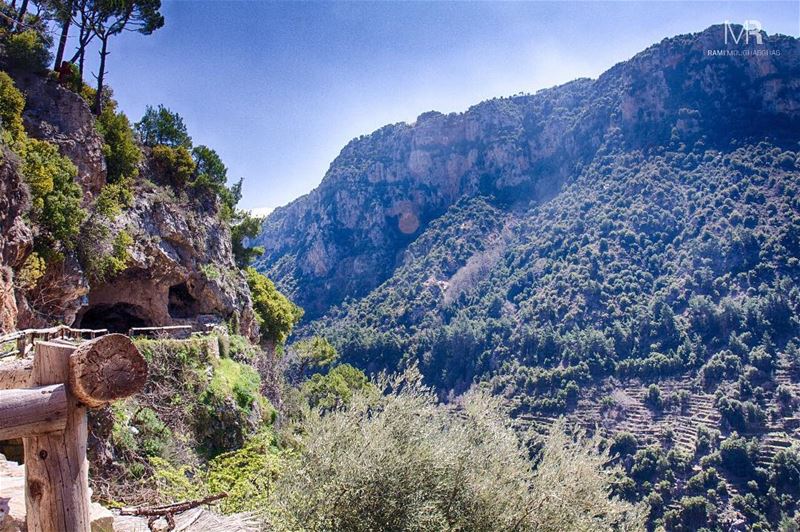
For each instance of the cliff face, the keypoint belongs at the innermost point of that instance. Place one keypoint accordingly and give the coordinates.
(180, 266)
(383, 190)
(181, 269)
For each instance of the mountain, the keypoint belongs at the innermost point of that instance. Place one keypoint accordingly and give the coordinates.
(381, 193)
(624, 251)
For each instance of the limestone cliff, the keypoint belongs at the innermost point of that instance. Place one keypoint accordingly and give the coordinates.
(180, 266)
(380, 194)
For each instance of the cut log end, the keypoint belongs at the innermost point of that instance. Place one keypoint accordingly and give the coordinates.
(105, 369)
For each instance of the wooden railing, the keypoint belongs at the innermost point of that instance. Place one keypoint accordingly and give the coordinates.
(25, 339)
(49, 413)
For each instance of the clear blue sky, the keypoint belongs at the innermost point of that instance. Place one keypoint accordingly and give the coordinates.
(279, 88)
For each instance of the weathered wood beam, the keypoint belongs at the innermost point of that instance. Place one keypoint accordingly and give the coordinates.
(15, 373)
(104, 369)
(32, 411)
(56, 468)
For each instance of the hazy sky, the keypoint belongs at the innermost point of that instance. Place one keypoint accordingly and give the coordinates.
(279, 88)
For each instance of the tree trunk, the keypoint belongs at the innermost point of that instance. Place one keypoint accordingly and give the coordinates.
(21, 16)
(62, 41)
(98, 98)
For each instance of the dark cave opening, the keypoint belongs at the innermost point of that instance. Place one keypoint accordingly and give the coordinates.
(119, 318)
(181, 303)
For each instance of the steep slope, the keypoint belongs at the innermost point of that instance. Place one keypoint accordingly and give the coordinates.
(346, 237)
(604, 235)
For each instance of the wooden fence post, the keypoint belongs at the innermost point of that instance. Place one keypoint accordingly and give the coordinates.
(56, 468)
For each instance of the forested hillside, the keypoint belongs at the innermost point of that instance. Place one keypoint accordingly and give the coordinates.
(576, 245)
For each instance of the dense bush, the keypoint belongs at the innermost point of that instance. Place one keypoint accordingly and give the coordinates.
(336, 388)
(28, 50)
(404, 462)
(12, 102)
(175, 165)
(276, 315)
(119, 145)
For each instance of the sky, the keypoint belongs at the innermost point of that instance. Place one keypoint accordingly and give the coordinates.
(278, 88)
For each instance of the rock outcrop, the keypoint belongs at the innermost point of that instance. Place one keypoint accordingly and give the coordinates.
(180, 271)
(347, 236)
(62, 117)
(180, 268)
(16, 238)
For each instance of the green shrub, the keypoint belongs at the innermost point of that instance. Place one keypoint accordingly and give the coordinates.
(276, 315)
(113, 198)
(240, 349)
(174, 164)
(246, 475)
(653, 397)
(28, 50)
(236, 380)
(225, 406)
(738, 454)
(210, 271)
(624, 444)
(102, 256)
(336, 388)
(245, 226)
(31, 271)
(12, 102)
(119, 145)
(56, 197)
(404, 462)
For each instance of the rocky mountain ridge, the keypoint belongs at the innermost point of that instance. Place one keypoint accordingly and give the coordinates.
(347, 236)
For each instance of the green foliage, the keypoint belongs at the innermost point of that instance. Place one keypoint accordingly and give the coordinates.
(245, 226)
(210, 271)
(212, 176)
(240, 349)
(653, 397)
(404, 462)
(314, 352)
(28, 50)
(139, 433)
(162, 127)
(194, 407)
(175, 164)
(56, 197)
(12, 102)
(623, 444)
(102, 255)
(31, 271)
(785, 471)
(336, 388)
(232, 379)
(114, 198)
(246, 475)
(225, 405)
(739, 454)
(276, 315)
(119, 145)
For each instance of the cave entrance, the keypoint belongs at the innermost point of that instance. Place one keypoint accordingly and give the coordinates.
(182, 304)
(118, 318)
